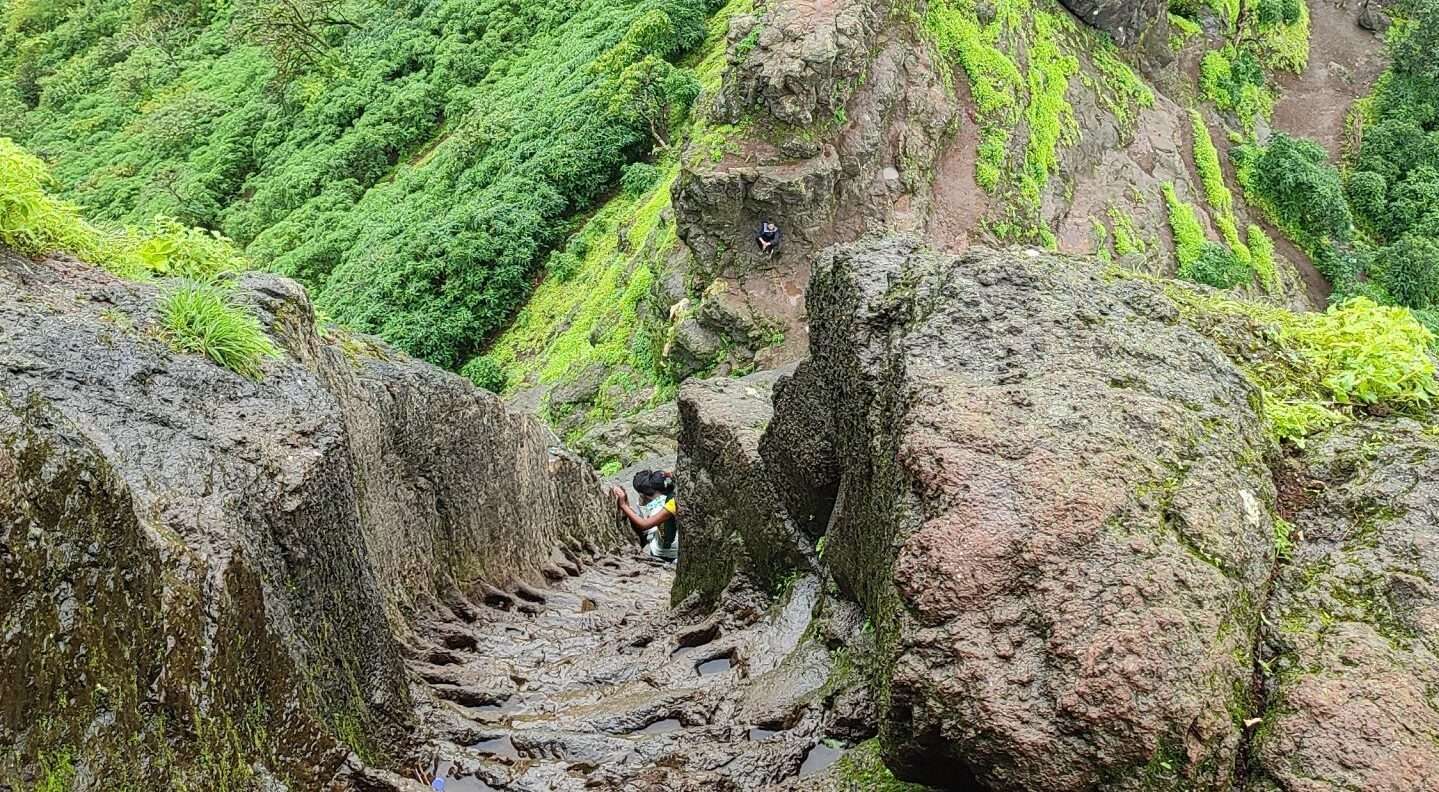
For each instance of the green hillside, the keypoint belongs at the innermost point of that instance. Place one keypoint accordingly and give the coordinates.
(411, 162)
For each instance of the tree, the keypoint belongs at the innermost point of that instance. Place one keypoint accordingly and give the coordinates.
(296, 32)
(655, 94)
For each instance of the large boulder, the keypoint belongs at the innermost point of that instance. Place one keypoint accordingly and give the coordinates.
(1124, 20)
(1353, 627)
(798, 450)
(206, 578)
(732, 520)
(1053, 507)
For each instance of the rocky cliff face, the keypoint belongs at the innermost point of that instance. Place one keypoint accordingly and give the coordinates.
(1085, 564)
(835, 114)
(209, 578)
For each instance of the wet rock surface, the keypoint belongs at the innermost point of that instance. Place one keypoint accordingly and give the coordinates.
(1124, 20)
(1351, 633)
(601, 686)
(197, 564)
(1052, 501)
(735, 521)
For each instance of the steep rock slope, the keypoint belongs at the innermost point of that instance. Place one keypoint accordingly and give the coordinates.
(210, 578)
(1085, 562)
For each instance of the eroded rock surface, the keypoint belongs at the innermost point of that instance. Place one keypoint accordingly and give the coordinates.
(735, 521)
(200, 564)
(1352, 631)
(1052, 502)
(599, 685)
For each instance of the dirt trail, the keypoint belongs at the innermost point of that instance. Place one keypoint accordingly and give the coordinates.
(1344, 61)
(595, 684)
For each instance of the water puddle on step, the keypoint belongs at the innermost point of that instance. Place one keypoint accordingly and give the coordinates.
(760, 735)
(818, 758)
(661, 727)
(467, 783)
(500, 746)
(718, 665)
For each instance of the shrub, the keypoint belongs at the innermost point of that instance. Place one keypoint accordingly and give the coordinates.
(1206, 162)
(1234, 81)
(1411, 201)
(1413, 50)
(1217, 266)
(1430, 319)
(169, 248)
(563, 264)
(1366, 193)
(1294, 181)
(1127, 240)
(1393, 147)
(1368, 354)
(1261, 249)
(638, 177)
(31, 221)
(485, 373)
(1189, 238)
(1278, 12)
(201, 319)
(1409, 271)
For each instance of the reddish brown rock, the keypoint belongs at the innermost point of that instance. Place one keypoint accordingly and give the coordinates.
(1053, 507)
(1353, 627)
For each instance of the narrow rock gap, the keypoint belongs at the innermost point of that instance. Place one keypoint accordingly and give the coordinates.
(1290, 499)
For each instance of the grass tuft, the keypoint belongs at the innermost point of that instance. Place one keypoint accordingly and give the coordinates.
(202, 320)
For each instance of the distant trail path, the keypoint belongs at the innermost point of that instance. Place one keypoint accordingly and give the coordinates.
(1344, 61)
(591, 684)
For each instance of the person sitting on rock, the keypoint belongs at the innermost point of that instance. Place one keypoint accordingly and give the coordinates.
(768, 237)
(655, 520)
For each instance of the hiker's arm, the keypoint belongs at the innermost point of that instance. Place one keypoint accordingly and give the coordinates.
(642, 523)
(645, 523)
(622, 500)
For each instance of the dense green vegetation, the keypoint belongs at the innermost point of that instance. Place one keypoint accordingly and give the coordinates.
(1372, 229)
(1324, 368)
(412, 162)
(196, 312)
(594, 310)
(1257, 35)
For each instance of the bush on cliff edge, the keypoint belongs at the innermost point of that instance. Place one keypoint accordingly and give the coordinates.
(197, 314)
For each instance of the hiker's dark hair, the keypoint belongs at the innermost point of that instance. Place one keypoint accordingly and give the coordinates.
(654, 481)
